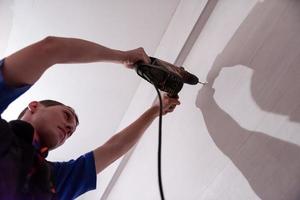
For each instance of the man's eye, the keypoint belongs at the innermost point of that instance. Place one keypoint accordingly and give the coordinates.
(67, 115)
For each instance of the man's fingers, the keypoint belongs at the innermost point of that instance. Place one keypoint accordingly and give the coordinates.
(171, 103)
(172, 107)
(146, 58)
(141, 55)
(134, 56)
(174, 101)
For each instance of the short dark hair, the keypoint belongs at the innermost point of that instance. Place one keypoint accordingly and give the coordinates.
(48, 103)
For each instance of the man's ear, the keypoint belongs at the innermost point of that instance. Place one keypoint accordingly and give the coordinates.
(33, 106)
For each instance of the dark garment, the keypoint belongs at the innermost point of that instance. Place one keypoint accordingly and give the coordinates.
(25, 174)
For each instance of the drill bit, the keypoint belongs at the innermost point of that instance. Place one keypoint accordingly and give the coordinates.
(202, 83)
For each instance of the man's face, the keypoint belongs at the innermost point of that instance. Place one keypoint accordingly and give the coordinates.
(54, 124)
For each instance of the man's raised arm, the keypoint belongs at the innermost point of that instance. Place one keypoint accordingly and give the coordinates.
(28, 64)
(122, 142)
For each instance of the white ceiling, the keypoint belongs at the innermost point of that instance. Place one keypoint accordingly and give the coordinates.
(100, 93)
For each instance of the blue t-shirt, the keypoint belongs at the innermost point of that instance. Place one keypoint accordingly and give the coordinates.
(72, 178)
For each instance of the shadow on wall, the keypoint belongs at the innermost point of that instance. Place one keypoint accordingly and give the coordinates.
(268, 42)
(6, 20)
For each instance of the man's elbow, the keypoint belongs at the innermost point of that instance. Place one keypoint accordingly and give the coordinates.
(50, 46)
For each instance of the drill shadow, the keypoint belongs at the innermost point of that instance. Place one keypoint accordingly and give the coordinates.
(270, 165)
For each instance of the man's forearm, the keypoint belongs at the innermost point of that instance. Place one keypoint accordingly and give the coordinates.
(132, 133)
(27, 65)
(121, 143)
(73, 50)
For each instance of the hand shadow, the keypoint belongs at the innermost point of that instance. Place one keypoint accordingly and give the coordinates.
(270, 165)
(268, 43)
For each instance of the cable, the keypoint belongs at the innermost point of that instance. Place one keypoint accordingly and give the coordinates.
(159, 146)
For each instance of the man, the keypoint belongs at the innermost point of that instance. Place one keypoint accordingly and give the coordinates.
(45, 125)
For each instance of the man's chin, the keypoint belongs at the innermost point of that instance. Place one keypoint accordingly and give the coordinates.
(50, 144)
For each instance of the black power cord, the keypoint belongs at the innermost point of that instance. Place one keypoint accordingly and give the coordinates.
(159, 146)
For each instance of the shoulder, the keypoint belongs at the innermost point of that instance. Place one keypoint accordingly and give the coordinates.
(74, 177)
(9, 94)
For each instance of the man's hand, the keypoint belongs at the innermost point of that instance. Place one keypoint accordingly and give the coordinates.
(168, 103)
(133, 56)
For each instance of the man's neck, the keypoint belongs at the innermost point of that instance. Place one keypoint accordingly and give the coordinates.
(36, 140)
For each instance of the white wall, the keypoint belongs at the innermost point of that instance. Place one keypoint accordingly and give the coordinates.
(238, 137)
(252, 115)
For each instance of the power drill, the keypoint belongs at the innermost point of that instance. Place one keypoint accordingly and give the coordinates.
(166, 76)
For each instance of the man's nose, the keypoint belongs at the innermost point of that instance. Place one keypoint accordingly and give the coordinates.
(69, 128)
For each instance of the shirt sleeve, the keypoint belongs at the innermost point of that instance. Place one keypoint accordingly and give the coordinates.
(7, 93)
(75, 177)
